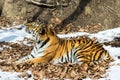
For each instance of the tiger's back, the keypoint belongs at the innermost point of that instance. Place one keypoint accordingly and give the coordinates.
(50, 48)
(83, 50)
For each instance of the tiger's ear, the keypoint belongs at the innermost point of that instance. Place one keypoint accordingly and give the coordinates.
(42, 31)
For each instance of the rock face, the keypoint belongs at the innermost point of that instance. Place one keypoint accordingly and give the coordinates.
(14, 9)
(78, 12)
(99, 11)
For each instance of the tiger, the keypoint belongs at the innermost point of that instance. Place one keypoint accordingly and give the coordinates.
(49, 47)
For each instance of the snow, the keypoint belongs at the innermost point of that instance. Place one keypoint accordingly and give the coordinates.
(102, 36)
(15, 35)
(9, 76)
(114, 72)
(12, 76)
(74, 34)
(114, 51)
(108, 35)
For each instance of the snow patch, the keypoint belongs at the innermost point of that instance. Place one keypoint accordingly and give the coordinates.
(13, 75)
(9, 76)
(14, 34)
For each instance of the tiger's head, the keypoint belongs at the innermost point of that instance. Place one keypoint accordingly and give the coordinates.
(40, 31)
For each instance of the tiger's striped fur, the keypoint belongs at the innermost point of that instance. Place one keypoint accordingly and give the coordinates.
(50, 48)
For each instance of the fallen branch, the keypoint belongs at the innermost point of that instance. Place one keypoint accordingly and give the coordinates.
(47, 5)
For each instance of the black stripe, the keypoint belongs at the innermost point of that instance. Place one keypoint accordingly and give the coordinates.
(62, 59)
(32, 56)
(68, 55)
(89, 45)
(80, 56)
(75, 52)
(65, 59)
(38, 42)
(74, 41)
(94, 55)
(80, 61)
(97, 47)
(100, 55)
(44, 42)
